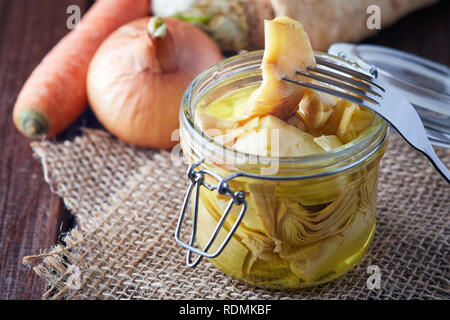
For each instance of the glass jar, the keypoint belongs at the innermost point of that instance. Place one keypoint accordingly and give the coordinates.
(280, 223)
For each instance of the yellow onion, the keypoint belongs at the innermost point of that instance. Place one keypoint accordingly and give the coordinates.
(138, 76)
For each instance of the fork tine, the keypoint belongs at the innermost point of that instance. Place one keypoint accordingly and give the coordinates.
(348, 71)
(337, 93)
(339, 84)
(362, 84)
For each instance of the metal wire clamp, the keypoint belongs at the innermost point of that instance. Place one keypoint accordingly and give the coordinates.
(197, 178)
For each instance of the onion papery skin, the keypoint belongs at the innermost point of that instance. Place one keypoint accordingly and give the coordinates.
(132, 94)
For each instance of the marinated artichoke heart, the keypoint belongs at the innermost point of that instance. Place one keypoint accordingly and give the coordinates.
(279, 118)
(300, 232)
(287, 50)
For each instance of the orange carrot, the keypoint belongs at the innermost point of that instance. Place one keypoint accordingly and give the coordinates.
(55, 94)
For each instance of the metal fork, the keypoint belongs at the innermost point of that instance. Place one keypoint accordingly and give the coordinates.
(368, 91)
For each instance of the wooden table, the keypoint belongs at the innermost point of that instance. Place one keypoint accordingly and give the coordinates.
(31, 217)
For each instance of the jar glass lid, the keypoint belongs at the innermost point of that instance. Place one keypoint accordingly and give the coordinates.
(426, 84)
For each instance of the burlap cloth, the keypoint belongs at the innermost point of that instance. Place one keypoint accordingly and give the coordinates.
(127, 201)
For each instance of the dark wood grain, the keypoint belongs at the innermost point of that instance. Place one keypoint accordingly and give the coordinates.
(425, 33)
(30, 215)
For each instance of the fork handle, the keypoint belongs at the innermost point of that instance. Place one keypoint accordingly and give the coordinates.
(437, 163)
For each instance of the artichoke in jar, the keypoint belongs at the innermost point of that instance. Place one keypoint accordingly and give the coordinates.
(295, 232)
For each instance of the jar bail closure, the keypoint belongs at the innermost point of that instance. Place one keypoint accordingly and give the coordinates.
(197, 178)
